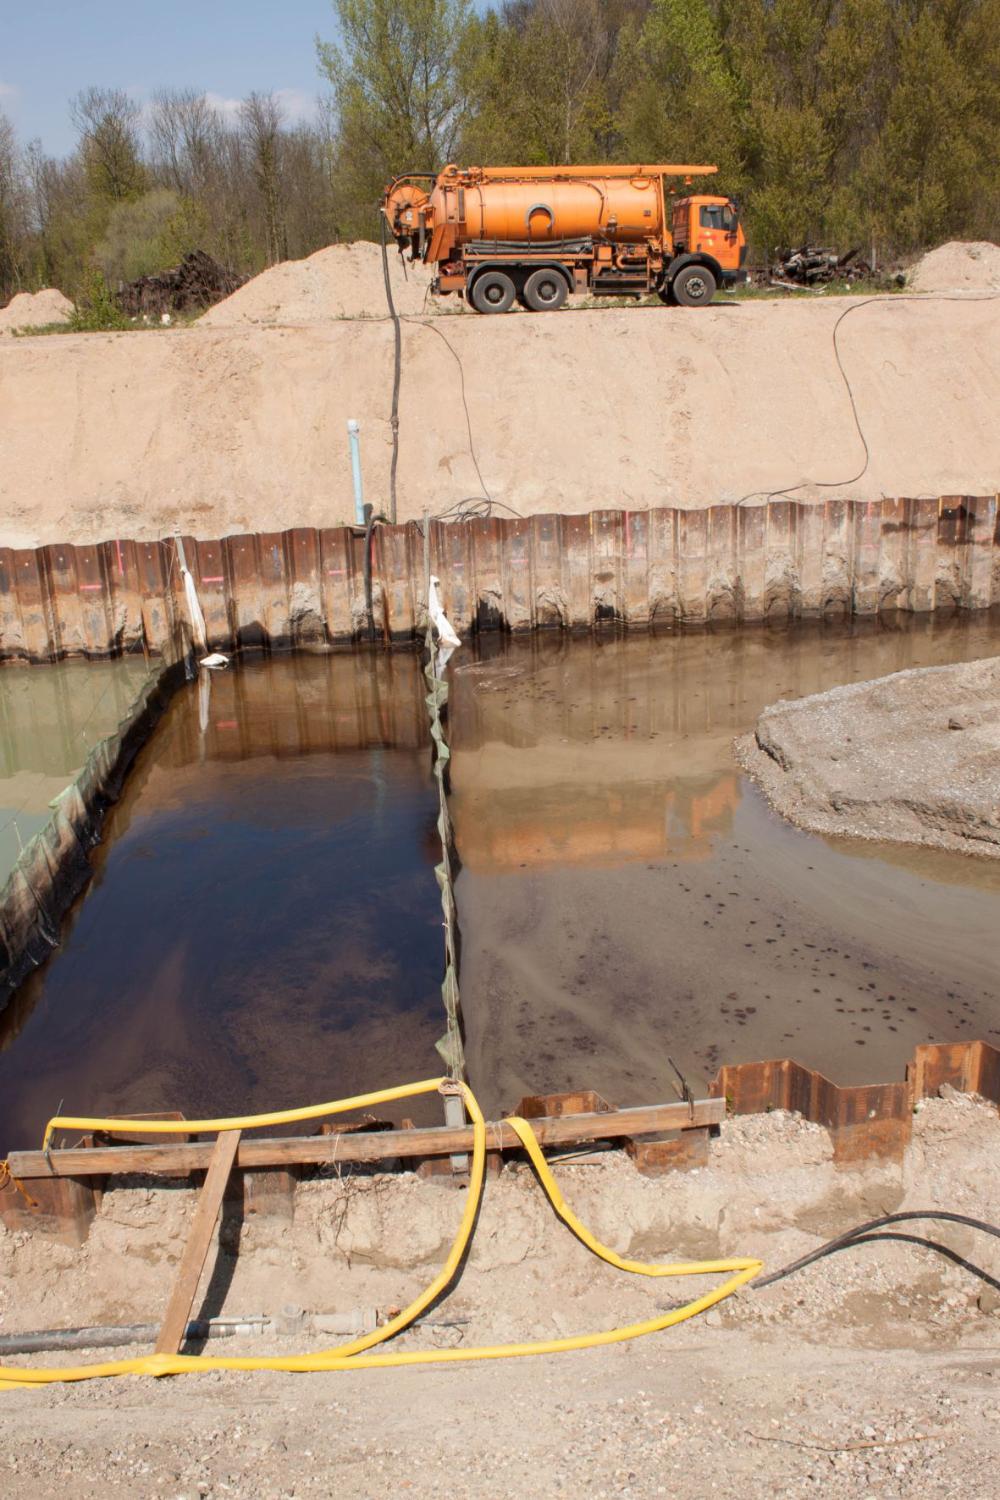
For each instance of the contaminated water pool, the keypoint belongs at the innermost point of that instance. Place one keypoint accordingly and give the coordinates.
(629, 902)
(264, 927)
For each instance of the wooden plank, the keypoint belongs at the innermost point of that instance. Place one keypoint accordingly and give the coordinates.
(314, 1150)
(192, 1264)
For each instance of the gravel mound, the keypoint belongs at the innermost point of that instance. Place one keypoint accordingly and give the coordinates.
(35, 309)
(913, 758)
(959, 265)
(342, 281)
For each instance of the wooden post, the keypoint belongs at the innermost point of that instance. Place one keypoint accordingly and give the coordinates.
(192, 1264)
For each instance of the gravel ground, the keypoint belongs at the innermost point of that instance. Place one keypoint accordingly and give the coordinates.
(871, 1373)
(694, 1413)
(913, 758)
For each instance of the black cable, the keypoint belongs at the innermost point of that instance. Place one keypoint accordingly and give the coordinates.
(462, 510)
(397, 370)
(465, 405)
(369, 598)
(861, 1234)
(918, 1239)
(836, 484)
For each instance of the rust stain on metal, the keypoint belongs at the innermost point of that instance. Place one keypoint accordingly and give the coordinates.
(871, 1120)
(637, 568)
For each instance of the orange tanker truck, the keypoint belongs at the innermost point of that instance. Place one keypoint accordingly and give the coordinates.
(535, 234)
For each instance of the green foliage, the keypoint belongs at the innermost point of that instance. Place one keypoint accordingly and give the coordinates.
(144, 235)
(851, 122)
(540, 88)
(96, 310)
(683, 101)
(398, 95)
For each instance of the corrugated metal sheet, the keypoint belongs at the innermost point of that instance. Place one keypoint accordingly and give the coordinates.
(661, 567)
(873, 1120)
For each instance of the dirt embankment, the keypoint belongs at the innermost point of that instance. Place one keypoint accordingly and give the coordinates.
(913, 758)
(867, 1373)
(213, 430)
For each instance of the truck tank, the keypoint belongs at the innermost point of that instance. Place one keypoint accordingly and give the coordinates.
(536, 205)
(627, 210)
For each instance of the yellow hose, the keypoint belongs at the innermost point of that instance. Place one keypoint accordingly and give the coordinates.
(351, 1356)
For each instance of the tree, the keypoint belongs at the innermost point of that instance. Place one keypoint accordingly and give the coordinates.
(13, 213)
(398, 94)
(108, 124)
(143, 235)
(683, 103)
(185, 136)
(542, 75)
(260, 127)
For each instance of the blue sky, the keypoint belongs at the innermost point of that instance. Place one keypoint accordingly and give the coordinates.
(50, 49)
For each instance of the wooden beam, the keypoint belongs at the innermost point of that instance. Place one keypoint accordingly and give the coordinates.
(192, 1264)
(316, 1150)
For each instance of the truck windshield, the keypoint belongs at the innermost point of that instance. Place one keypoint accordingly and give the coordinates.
(717, 216)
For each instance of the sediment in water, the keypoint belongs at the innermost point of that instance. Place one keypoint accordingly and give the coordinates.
(913, 758)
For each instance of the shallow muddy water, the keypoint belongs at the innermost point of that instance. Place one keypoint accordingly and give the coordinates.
(628, 897)
(263, 927)
(51, 717)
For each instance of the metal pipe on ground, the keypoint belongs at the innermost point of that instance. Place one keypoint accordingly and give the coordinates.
(108, 1336)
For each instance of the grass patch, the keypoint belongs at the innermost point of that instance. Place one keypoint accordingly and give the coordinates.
(128, 325)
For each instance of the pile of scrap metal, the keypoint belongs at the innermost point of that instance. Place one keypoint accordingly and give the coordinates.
(197, 283)
(812, 265)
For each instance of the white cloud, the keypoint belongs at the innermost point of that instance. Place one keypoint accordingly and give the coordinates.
(9, 91)
(296, 105)
(229, 108)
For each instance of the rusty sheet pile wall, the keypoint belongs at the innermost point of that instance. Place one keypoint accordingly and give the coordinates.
(869, 1120)
(305, 587)
(56, 1194)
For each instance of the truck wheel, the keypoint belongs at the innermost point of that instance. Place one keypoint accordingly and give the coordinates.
(693, 286)
(492, 292)
(545, 290)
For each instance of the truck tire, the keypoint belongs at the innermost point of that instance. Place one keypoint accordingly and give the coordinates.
(693, 286)
(545, 290)
(492, 292)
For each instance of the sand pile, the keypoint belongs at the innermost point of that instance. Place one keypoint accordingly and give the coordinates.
(960, 265)
(35, 310)
(912, 758)
(342, 281)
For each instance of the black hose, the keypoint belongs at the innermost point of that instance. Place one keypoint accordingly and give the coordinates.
(862, 1235)
(836, 484)
(926, 1244)
(369, 596)
(398, 338)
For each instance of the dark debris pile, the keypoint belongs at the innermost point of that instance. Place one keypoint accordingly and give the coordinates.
(198, 282)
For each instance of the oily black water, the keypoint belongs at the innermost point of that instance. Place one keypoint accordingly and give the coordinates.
(263, 925)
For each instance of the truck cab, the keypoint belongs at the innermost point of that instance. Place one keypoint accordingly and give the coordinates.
(706, 232)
